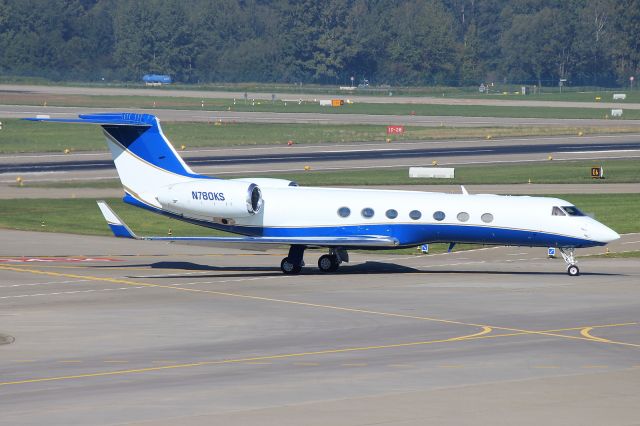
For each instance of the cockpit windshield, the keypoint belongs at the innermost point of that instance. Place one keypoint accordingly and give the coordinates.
(557, 211)
(572, 211)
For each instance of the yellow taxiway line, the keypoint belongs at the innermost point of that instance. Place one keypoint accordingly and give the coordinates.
(308, 304)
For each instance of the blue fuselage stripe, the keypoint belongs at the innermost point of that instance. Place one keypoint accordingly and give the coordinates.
(407, 234)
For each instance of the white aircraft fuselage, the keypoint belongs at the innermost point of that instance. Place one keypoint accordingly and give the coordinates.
(277, 211)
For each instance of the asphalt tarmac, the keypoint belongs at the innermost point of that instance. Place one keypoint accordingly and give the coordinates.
(106, 331)
(410, 153)
(270, 159)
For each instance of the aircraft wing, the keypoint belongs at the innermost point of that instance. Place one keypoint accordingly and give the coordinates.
(120, 229)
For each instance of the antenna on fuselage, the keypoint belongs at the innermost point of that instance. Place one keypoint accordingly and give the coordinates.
(464, 190)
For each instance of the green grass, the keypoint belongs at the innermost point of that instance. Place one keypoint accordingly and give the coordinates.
(569, 93)
(616, 171)
(617, 211)
(24, 136)
(81, 216)
(618, 255)
(212, 105)
(546, 95)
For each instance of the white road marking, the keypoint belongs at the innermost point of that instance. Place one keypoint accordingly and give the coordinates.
(61, 293)
(173, 275)
(450, 264)
(70, 292)
(603, 151)
(46, 283)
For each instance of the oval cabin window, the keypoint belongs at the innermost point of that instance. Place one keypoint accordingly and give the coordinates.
(463, 216)
(391, 213)
(487, 218)
(415, 214)
(344, 212)
(367, 212)
(439, 216)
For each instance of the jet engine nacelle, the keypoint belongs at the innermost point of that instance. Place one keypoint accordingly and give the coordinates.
(212, 198)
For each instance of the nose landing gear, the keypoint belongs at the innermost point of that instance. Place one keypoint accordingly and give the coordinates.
(569, 256)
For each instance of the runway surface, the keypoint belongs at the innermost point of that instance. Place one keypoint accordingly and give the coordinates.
(113, 331)
(341, 155)
(270, 159)
(20, 111)
(209, 94)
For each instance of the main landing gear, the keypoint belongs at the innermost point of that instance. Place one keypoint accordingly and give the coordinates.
(569, 256)
(293, 263)
(330, 262)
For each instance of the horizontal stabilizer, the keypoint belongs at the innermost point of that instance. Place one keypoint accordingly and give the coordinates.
(111, 119)
(118, 227)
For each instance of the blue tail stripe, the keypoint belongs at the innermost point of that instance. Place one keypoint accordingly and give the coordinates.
(147, 143)
(120, 231)
(138, 133)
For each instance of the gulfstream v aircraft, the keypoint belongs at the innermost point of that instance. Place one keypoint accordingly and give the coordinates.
(278, 212)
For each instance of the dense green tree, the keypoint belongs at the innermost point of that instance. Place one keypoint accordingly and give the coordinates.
(593, 42)
(538, 47)
(627, 40)
(458, 42)
(420, 46)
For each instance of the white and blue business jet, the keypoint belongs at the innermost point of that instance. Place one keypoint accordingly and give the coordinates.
(279, 212)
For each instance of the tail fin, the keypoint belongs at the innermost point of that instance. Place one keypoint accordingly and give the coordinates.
(143, 156)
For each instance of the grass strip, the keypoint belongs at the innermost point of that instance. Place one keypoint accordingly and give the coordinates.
(82, 216)
(293, 106)
(617, 255)
(19, 136)
(551, 172)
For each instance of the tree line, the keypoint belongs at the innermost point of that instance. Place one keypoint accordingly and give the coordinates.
(400, 42)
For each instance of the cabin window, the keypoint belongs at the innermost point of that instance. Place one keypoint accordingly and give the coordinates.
(487, 218)
(439, 216)
(572, 211)
(463, 216)
(557, 211)
(391, 213)
(367, 212)
(415, 214)
(344, 212)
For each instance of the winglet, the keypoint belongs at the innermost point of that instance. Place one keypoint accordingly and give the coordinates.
(118, 227)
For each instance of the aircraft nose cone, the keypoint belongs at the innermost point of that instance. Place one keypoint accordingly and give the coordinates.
(607, 235)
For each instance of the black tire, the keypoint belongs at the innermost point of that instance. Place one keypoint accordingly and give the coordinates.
(288, 268)
(328, 263)
(573, 271)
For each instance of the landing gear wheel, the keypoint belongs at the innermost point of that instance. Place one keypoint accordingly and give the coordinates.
(569, 256)
(328, 263)
(289, 268)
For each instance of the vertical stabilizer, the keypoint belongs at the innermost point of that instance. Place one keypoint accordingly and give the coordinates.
(143, 156)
